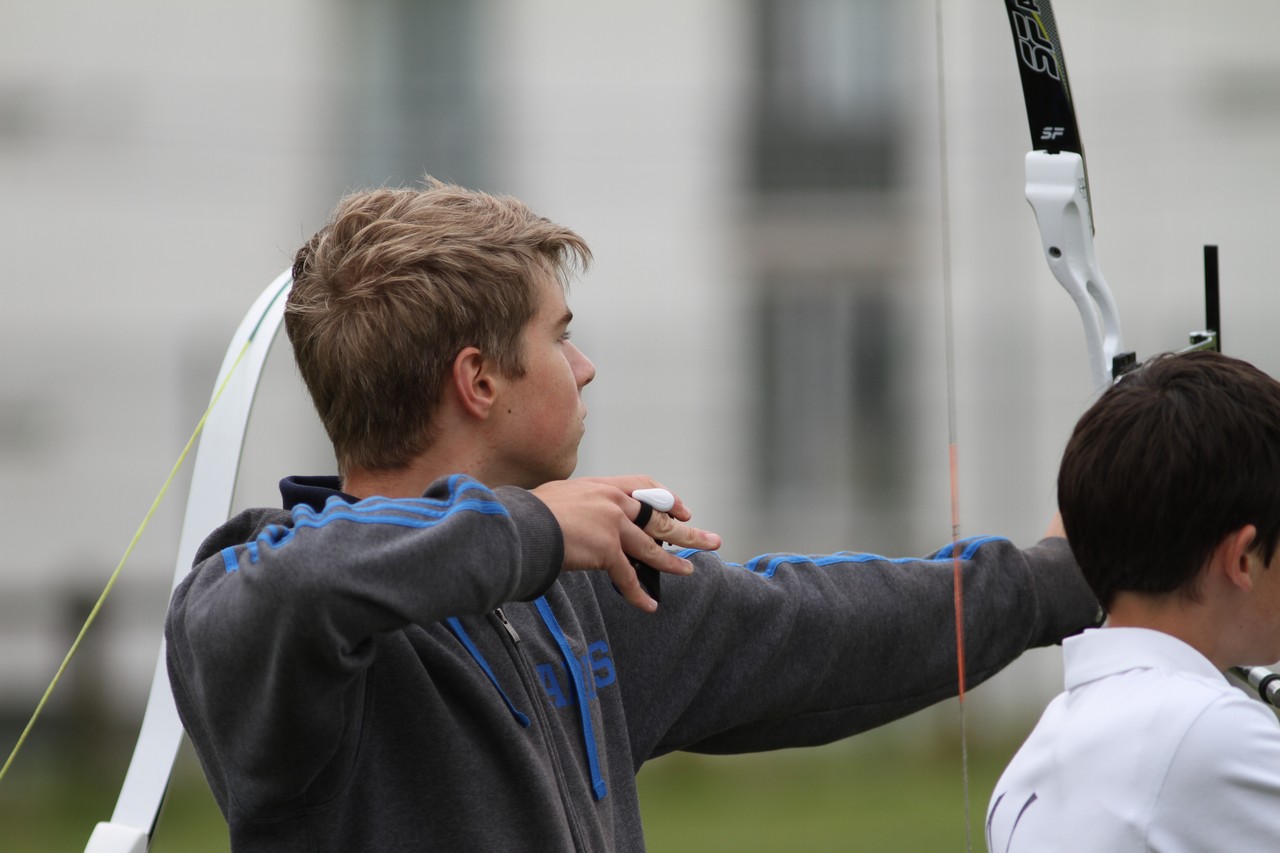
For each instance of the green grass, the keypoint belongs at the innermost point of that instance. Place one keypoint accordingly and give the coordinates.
(896, 790)
(876, 795)
(50, 801)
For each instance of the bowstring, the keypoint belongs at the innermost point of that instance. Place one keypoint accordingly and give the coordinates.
(953, 452)
(115, 575)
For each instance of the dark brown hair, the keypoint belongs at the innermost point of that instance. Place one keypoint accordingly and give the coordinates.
(1165, 464)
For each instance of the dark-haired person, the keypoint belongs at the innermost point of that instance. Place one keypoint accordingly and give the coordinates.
(1170, 493)
(410, 656)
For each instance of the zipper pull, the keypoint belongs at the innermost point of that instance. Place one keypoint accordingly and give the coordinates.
(502, 617)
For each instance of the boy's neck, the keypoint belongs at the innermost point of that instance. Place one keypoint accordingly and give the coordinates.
(386, 484)
(1196, 623)
(408, 482)
(450, 452)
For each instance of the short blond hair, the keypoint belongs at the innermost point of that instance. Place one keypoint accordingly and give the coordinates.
(393, 287)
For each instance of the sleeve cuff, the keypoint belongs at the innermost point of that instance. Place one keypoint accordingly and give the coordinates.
(1067, 605)
(541, 542)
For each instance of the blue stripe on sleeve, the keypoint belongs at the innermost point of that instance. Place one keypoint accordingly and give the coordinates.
(417, 513)
(970, 547)
(465, 495)
(766, 565)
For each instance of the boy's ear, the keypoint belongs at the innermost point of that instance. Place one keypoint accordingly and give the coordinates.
(473, 382)
(1235, 557)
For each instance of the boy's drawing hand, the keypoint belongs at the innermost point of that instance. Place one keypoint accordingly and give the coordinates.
(596, 521)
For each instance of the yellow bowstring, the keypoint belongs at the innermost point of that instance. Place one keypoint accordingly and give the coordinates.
(111, 582)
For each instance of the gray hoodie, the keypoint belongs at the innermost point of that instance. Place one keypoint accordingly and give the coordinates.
(391, 675)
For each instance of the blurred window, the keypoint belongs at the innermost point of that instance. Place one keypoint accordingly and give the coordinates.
(416, 97)
(825, 131)
(828, 408)
(824, 114)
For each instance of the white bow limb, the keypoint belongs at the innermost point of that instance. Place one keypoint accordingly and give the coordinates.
(213, 483)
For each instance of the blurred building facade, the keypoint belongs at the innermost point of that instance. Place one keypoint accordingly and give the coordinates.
(759, 180)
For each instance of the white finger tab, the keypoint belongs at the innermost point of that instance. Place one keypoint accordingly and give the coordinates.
(659, 499)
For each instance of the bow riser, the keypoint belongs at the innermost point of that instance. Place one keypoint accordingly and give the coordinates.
(1059, 194)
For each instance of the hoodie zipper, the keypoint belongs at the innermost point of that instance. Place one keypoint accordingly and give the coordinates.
(502, 617)
(455, 625)
(533, 689)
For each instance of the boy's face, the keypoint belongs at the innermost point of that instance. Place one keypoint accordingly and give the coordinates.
(540, 416)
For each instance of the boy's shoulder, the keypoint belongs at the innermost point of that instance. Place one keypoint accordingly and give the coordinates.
(240, 528)
(1109, 657)
(1147, 733)
(1142, 682)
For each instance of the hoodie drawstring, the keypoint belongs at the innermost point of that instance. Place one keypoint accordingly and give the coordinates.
(580, 688)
